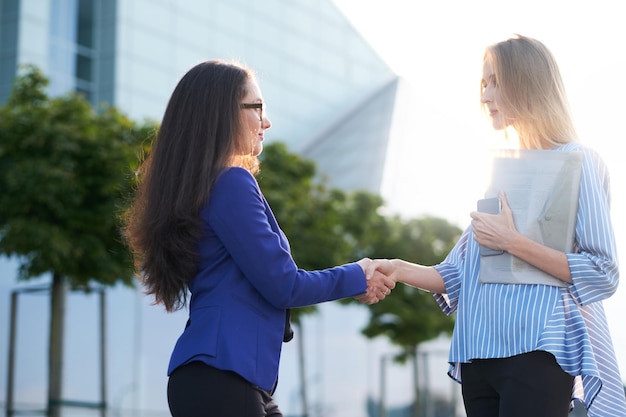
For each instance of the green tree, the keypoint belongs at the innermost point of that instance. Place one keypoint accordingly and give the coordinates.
(411, 316)
(65, 173)
(308, 215)
(327, 227)
(305, 207)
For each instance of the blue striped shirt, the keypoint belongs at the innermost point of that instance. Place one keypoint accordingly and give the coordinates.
(502, 320)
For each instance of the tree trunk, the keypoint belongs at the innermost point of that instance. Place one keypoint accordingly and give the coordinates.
(103, 355)
(382, 407)
(58, 296)
(301, 365)
(416, 383)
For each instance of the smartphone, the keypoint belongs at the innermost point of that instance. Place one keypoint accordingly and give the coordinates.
(491, 206)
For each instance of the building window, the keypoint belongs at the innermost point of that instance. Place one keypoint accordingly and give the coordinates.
(72, 47)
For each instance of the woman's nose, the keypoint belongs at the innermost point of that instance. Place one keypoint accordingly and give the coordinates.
(266, 123)
(488, 94)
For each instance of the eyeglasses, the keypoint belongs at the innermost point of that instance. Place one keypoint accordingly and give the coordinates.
(256, 106)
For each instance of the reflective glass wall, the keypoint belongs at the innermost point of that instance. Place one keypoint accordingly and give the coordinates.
(312, 65)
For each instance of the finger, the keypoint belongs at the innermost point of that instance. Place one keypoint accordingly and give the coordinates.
(365, 298)
(382, 281)
(370, 269)
(503, 200)
(383, 266)
(389, 283)
(381, 288)
(373, 292)
(374, 267)
(383, 292)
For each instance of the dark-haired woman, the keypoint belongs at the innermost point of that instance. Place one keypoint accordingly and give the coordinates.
(201, 225)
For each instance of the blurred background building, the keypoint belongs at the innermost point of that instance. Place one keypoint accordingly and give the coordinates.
(331, 98)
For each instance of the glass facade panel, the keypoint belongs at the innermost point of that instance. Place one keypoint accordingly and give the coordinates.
(31, 45)
(145, 45)
(71, 42)
(85, 23)
(84, 68)
(144, 89)
(63, 33)
(199, 9)
(153, 15)
(192, 33)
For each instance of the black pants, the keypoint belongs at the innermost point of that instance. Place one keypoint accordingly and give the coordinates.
(528, 385)
(199, 390)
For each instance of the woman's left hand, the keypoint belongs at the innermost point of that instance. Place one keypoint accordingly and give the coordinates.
(495, 231)
(379, 285)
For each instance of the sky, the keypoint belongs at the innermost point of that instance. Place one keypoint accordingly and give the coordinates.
(437, 46)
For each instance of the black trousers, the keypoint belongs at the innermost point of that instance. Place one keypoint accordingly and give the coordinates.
(199, 390)
(528, 385)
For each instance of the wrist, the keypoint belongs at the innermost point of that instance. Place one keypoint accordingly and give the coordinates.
(513, 243)
(398, 268)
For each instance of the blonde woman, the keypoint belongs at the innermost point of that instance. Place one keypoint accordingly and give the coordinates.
(523, 350)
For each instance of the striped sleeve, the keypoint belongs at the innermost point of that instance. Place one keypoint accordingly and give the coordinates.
(594, 267)
(451, 271)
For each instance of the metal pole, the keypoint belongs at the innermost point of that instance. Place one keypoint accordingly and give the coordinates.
(428, 411)
(137, 353)
(453, 401)
(382, 411)
(11, 365)
(103, 368)
(58, 300)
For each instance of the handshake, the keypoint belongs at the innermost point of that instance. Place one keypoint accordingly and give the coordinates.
(380, 280)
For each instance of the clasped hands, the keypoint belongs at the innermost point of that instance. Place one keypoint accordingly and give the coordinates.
(379, 281)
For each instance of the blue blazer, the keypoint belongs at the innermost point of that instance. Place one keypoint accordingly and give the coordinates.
(245, 283)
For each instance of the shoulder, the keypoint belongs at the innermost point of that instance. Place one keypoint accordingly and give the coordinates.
(233, 187)
(591, 158)
(595, 176)
(587, 151)
(234, 178)
(236, 175)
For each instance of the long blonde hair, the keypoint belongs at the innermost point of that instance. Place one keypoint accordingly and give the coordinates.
(532, 92)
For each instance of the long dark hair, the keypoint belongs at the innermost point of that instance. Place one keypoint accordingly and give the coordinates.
(199, 135)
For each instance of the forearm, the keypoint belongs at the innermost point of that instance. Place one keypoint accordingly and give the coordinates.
(550, 261)
(424, 277)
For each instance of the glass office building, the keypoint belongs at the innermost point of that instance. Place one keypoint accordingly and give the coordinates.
(331, 98)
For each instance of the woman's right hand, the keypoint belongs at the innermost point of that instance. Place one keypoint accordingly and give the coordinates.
(379, 285)
(397, 270)
(384, 266)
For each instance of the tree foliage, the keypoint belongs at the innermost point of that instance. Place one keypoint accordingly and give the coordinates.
(305, 210)
(327, 227)
(410, 316)
(65, 172)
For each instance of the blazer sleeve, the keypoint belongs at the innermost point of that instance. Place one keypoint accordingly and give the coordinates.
(239, 215)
